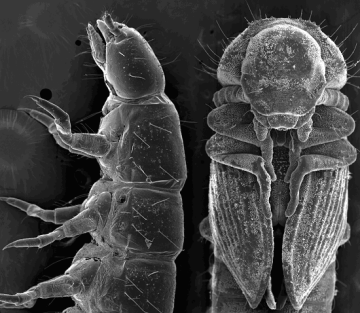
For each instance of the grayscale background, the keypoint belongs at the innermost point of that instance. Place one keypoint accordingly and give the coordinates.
(44, 51)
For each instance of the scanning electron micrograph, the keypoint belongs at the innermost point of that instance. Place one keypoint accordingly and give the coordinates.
(134, 212)
(275, 197)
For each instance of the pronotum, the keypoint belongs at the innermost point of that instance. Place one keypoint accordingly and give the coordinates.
(280, 168)
(134, 212)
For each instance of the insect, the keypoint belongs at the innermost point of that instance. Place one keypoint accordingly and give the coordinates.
(280, 168)
(134, 212)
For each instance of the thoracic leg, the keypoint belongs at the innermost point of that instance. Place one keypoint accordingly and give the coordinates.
(238, 154)
(61, 286)
(49, 123)
(65, 285)
(233, 120)
(325, 149)
(57, 216)
(255, 165)
(84, 222)
(6, 305)
(306, 165)
(95, 145)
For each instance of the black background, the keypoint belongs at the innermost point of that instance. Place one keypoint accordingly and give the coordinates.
(44, 51)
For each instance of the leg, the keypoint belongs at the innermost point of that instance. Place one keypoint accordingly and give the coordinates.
(84, 222)
(232, 120)
(61, 286)
(306, 165)
(57, 216)
(324, 150)
(241, 155)
(94, 145)
(6, 305)
(49, 123)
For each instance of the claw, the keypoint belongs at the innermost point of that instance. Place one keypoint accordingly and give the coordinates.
(29, 209)
(62, 119)
(42, 118)
(95, 145)
(49, 123)
(40, 241)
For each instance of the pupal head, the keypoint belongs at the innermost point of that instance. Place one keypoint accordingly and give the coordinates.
(283, 67)
(131, 69)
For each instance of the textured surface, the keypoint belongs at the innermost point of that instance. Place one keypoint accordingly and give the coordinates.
(242, 234)
(312, 235)
(279, 177)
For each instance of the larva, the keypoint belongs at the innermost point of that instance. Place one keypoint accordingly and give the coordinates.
(134, 212)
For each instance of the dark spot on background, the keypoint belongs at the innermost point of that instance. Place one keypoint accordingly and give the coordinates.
(78, 42)
(46, 94)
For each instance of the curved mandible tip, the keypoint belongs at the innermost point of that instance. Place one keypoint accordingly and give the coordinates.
(113, 27)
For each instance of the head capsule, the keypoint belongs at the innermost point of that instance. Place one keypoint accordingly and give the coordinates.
(131, 69)
(283, 66)
(283, 74)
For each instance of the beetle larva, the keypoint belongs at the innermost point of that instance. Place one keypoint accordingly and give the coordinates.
(134, 212)
(279, 171)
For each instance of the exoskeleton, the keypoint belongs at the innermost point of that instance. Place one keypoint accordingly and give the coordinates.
(278, 194)
(134, 212)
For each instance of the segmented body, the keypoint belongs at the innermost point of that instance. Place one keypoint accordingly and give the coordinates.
(279, 171)
(134, 212)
